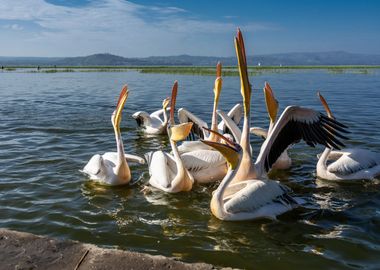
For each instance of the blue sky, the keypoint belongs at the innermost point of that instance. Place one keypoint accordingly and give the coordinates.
(168, 27)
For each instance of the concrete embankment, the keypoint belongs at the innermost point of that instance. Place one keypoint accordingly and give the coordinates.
(19, 250)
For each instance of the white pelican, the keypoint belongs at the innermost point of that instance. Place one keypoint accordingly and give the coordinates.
(185, 116)
(349, 163)
(153, 123)
(294, 124)
(284, 161)
(112, 168)
(204, 163)
(248, 199)
(167, 172)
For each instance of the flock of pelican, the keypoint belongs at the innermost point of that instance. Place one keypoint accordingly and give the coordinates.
(223, 152)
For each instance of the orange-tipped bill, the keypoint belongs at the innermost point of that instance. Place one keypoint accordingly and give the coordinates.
(240, 39)
(218, 70)
(325, 105)
(173, 101)
(243, 71)
(271, 102)
(120, 105)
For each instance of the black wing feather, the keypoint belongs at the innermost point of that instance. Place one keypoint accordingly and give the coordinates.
(325, 131)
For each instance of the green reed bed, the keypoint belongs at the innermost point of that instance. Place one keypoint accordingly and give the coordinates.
(193, 70)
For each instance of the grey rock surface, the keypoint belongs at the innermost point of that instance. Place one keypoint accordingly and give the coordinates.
(19, 250)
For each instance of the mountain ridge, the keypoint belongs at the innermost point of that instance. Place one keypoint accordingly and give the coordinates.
(277, 59)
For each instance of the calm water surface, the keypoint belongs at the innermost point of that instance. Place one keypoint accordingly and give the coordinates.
(51, 124)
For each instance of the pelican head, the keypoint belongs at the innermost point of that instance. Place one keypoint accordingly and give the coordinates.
(231, 151)
(116, 115)
(180, 132)
(165, 103)
(271, 102)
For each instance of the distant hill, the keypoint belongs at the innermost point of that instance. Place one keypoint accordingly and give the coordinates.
(285, 59)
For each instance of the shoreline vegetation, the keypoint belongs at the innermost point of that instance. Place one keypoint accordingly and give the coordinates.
(191, 70)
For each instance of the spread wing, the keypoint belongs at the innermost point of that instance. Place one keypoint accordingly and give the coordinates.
(295, 124)
(185, 116)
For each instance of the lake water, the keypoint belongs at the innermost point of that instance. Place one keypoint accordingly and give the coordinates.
(51, 124)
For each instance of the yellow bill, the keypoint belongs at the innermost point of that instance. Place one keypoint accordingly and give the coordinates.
(243, 71)
(120, 105)
(165, 103)
(271, 102)
(230, 150)
(180, 132)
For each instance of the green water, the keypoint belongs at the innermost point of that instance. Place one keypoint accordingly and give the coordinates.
(51, 124)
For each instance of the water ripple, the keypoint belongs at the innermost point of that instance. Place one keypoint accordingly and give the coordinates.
(50, 130)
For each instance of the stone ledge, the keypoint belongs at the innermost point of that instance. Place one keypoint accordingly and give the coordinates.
(19, 250)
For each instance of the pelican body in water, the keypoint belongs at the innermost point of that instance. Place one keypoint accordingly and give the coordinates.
(154, 123)
(112, 168)
(167, 172)
(248, 199)
(349, 163)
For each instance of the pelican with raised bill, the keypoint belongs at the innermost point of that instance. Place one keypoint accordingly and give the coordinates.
(154, 123)
(248, 199)
(295, 124)
(284, 161)
(167, 172)
(185, 116)
(112, 168)
(349, 163)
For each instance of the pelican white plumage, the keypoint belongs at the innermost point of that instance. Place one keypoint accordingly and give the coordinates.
(248, 199)
(245, 192)
(349, 163)
(112, 168)
(167, 172)
(154, 123)
(284, 161)
(204, 163)
(185, 116)
(294, 124)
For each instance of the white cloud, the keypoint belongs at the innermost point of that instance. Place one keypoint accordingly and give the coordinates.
(115, 26)
(14, 26)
